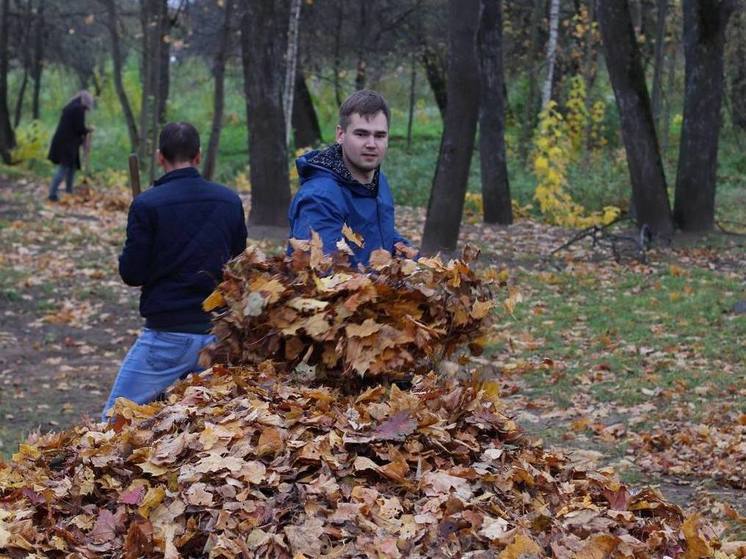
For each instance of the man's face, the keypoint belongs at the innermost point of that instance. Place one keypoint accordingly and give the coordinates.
(364, 143)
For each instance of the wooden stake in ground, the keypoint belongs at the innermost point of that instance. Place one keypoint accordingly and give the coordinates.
(134, 165)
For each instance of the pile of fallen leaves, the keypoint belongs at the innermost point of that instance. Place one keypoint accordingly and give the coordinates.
(316, 311)
(243, 462)
(715, 447)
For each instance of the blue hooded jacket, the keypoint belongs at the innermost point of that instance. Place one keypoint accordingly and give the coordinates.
(180, 234)
(329, 198)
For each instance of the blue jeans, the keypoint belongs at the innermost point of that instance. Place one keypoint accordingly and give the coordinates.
(156, 360)
(63, 172)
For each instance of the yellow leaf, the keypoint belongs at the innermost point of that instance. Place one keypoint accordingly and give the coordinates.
(353, 237)
(696, 545)
(213, 301)
(480, 309)
(152, 499)
(522, 547)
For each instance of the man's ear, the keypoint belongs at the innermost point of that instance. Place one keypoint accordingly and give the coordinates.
(340, 134)
(162, 161)
(197, 159)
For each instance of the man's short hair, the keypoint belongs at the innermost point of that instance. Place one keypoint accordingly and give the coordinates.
(178, 142)
(367, 103)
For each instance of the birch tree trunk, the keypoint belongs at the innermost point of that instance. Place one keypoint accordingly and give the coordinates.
(291, 60)
(546, 92)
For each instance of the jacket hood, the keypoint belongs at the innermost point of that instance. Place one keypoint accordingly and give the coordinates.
(329, 161)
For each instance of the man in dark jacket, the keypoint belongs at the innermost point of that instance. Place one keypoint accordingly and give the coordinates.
(180, 234)
(344, 185)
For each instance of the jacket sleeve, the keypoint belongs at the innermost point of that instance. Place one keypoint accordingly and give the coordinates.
(239, 237)
(320, 214)
(134, 262)
(79, 121)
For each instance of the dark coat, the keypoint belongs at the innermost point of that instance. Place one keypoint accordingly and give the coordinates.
(180, 234)
(69, 136)
(327, 201)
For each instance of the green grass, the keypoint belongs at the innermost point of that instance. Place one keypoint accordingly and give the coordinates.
(633, 334)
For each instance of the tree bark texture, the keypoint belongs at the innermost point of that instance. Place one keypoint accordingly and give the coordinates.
(263, 42)
(218, 72)
(435, 69)
(649, 195)
(26, 51)
(116, 57)
(306, 129)
(449, 185)
(546, 92)
(738, 71)
(495, 185)
(705, 22)
(361, 69)
(7, 136)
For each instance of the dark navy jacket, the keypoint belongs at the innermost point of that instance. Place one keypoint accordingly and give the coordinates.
(327, 201)
(180, 233)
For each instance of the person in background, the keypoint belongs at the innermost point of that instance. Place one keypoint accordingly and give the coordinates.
(180, 234)
(344, 185)
(70, 135)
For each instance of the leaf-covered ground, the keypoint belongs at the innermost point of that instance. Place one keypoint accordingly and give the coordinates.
(640, 366)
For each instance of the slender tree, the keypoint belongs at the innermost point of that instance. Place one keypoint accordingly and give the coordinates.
(705, 22)
(446, 204)
(546, 91)
(495, 185)
(291, 61)
(112, 23)
(649, 195)
(660, 39)
(7, 136)
(263, 44)
(738, 72)
(532, 100)
(218, 72)
(37, 61)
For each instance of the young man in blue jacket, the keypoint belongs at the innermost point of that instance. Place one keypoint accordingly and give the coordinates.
(344, 185)
(180, 234)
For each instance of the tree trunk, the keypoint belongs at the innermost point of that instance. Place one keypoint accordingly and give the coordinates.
(449, 185)
(362, 62)
(147, 101)
(435, 70)
(337, 51)
(532, 108)
(649, 195)
(660, 39)
(28, 20)
(291, 61)
(7, 136)
(412, 90)
(666, 124)
(164, 63)
(738, 75)
(38, 59)
(306, 129)
(705, 22)
(160, 91)
(546, 92)
(263, 42)
(495, 185)
(208, 167)
(116, 56)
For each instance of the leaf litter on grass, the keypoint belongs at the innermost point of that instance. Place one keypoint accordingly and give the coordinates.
(250, 461)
